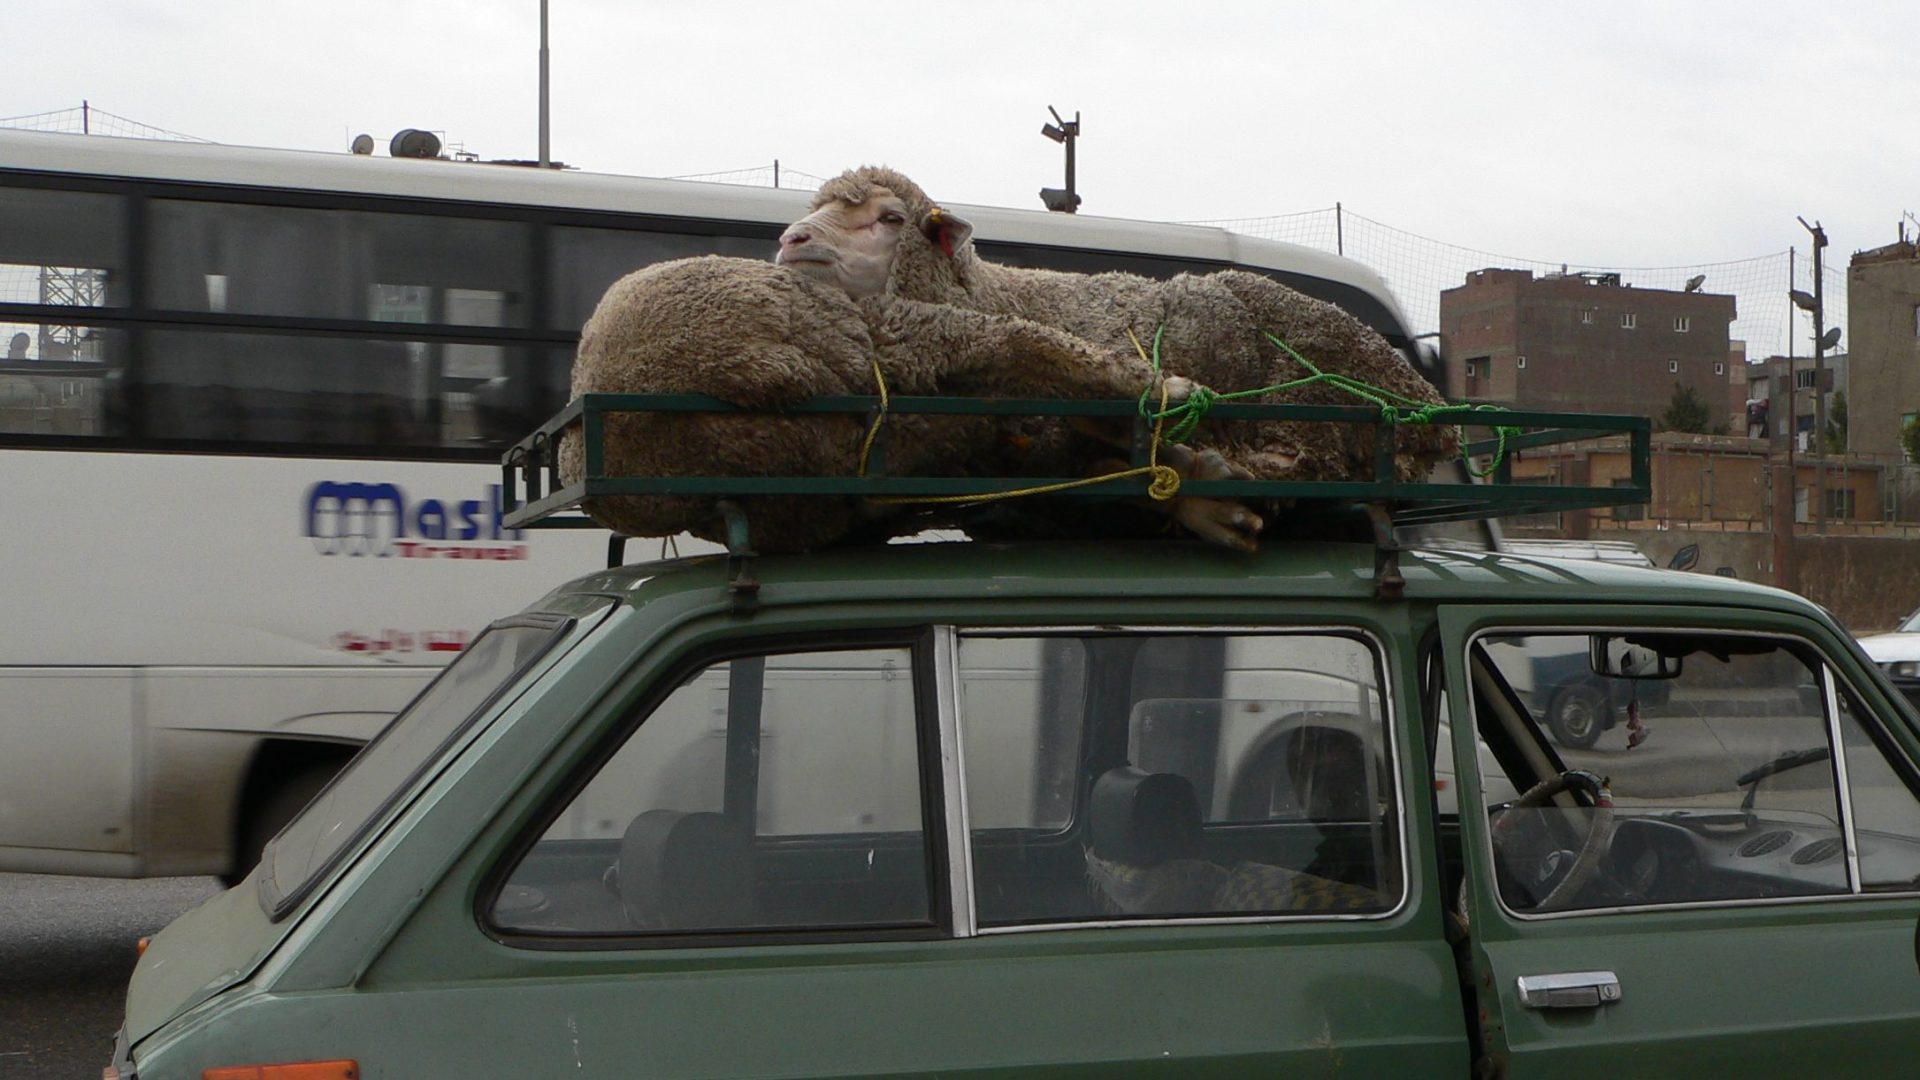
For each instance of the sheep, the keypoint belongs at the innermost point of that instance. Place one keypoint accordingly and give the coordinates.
(874, 232)
(761, 336)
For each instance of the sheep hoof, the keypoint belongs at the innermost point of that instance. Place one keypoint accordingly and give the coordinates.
(1221, 521)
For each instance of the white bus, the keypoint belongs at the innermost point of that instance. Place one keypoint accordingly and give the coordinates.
(251, 409)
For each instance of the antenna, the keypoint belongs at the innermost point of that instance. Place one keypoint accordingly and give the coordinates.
(1694, 282)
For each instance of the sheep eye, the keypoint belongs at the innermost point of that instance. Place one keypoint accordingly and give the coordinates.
(892, 218)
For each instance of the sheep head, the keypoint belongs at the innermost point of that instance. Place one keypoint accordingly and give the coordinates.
(873, 231)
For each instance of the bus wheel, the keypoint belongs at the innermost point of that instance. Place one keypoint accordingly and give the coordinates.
(268, 813)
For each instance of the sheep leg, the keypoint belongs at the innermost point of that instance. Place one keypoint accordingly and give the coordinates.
(1222, 521)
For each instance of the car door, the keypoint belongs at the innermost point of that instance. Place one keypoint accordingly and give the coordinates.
(1750, 906)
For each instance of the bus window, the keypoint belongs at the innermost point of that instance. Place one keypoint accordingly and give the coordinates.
(53, 379)
(62, 249)
(337, 264)
(301, 389)
(586, 261)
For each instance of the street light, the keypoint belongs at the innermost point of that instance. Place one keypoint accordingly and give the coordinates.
(1062, 200)
(1817, 305)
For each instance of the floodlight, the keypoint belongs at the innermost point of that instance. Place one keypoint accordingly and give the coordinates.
(1802, 300)
(1058, 200)
(362, 144)
(1053, 133)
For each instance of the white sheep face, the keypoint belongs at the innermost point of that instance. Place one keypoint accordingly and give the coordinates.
(848, 245)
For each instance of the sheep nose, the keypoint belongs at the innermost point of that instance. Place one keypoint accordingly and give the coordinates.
(795, 236)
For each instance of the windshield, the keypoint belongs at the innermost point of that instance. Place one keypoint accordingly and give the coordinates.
(1910, 625)
(390, 764)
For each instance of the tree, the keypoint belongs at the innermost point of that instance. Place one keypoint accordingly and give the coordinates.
(1837, 423)
(1910, 439)
(1686, 412)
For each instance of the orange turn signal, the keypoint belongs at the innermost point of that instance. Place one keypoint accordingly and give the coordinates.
(301, 1070)
(140, 947)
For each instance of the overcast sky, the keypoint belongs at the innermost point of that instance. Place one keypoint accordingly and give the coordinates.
(1606, 134)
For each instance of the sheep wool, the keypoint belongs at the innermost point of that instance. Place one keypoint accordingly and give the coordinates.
(1212, 328)
(759, 336)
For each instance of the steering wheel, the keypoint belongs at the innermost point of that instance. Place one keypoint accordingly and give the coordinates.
(1562, 873)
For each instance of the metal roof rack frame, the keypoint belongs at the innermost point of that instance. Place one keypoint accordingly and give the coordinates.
(535, 496)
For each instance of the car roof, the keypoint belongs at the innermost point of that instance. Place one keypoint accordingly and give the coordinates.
(1171, 570)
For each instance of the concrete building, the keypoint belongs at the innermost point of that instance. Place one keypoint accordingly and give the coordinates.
(1584, 343)
(1883, 338)
(1770, 400)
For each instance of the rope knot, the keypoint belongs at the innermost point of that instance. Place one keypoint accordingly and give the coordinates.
(1166, 483)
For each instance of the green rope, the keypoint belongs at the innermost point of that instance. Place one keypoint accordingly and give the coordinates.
(1394, 408)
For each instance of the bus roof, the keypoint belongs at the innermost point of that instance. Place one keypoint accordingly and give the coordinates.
(478, 182)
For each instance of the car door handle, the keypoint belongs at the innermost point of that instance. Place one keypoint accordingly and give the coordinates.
(1569, 990)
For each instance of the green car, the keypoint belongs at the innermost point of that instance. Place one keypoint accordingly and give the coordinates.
(1087, 809)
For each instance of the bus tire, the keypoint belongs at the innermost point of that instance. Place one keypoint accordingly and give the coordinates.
(270, 810)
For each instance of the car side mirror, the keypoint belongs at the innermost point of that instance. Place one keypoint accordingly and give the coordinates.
(1614, 656)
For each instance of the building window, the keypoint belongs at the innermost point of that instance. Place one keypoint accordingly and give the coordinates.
(1840, 503)
(1519, 362)
(1682, 324)
(1628, 320)
(1720, 369)
(1587, 316)
(1673, 367)
(1470, 370)
(1803, 380)
(1916, 320)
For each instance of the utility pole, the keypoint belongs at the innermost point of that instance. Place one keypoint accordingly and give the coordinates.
(546, 158)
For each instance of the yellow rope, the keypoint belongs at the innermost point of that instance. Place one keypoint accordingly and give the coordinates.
(873, 432)
(1166, 482)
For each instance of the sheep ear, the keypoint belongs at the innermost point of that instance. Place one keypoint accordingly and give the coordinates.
(946, 229)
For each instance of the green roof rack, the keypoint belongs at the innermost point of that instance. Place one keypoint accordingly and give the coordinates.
(535, 497)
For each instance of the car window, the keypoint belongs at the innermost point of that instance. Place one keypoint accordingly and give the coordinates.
(1886, 814)
(1218, 775)
(1720, 781)
(388, 765)
(768, 792)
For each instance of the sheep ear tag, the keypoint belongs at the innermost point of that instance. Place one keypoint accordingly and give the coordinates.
(947, 230)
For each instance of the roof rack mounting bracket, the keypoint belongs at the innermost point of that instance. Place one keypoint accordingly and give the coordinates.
(742, 585)
(616, 550)
(1387, 582)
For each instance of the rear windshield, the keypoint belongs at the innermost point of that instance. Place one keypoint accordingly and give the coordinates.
(337, 817)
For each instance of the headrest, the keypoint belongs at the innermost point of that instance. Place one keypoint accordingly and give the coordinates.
(681, 871)
(1142, 818)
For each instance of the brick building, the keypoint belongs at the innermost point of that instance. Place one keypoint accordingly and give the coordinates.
(1883, 341)
(1584, 343)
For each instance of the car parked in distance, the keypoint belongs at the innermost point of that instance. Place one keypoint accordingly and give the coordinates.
(1898, 653)
(1084, 809)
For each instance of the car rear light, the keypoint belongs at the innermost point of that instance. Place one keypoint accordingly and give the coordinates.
(300, 1070)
